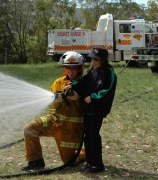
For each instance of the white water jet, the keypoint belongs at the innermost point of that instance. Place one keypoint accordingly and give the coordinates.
(20, 102)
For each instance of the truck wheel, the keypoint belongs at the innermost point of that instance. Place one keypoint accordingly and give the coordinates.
(155, 68)
(132, 63)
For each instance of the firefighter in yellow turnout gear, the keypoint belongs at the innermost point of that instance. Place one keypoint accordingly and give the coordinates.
(63, 122)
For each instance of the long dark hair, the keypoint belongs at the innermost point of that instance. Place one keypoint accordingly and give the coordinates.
(104, 65)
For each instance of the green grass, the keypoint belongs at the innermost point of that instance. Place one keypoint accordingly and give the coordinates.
(129, 133)
(41, 74)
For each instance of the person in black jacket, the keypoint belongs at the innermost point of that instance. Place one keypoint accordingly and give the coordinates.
(96, 90)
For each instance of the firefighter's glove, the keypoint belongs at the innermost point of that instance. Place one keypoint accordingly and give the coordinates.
(67, 88)
(68, 92)
(71, 95)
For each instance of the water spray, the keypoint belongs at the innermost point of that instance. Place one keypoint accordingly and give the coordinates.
(20, 102)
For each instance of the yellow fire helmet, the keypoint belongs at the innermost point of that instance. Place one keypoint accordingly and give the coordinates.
(71, 58)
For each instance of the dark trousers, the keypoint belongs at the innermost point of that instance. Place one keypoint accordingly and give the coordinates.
(92, 139)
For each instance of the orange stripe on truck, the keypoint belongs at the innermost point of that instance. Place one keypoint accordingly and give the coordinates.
(80, 47)
(124, 42)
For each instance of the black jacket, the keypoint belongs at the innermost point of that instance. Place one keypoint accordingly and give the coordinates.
(100, 84)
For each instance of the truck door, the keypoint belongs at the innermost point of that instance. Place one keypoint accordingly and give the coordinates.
(123, 36)
(138, 36)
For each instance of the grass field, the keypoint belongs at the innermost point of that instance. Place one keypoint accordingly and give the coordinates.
(129, 133)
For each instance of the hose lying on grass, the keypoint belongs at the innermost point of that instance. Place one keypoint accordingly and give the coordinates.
(46, 171)
(11, 144)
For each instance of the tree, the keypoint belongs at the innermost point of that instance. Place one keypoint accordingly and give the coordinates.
(152, 10)
(5, 40)
(27, 23)
(64, 13)
(49, 14)
(126, 9)
(16, 19)
(92, 9)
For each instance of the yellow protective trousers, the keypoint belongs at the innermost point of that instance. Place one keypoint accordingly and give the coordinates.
(64, 123)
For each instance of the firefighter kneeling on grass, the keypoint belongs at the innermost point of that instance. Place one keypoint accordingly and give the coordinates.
(63, 122)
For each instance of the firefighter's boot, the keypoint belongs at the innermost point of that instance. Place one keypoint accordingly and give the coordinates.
(34, 165)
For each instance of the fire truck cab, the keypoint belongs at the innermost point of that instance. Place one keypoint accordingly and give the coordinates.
(145, 44)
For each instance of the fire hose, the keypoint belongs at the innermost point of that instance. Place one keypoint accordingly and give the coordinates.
(46, 171)
(11, 144)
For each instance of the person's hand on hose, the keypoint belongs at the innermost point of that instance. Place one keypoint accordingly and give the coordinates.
(88, 99)
(68, 87)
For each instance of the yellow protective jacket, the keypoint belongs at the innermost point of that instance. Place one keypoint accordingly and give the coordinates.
(63, 122)
(69, 119)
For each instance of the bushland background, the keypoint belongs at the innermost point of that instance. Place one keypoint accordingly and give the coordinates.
(24, 24)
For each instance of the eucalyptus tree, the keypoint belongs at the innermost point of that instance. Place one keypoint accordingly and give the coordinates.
(152, 10)
(5, 40)
(49, 14)
(27, 22)
(126, 9)
(92, 9)
(65, 13)
(16, 20)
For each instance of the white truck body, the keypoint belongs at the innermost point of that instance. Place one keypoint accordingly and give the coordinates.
(145, 44)
(114, 35)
